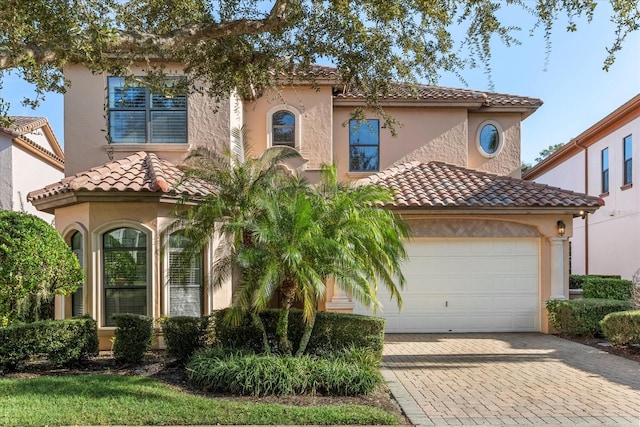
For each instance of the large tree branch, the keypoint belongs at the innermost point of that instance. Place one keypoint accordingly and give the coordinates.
(132, 41)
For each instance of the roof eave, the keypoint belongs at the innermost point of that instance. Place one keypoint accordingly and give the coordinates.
(575, 211)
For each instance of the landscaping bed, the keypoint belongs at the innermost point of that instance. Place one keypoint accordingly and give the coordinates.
(631, 352)
(155, 366)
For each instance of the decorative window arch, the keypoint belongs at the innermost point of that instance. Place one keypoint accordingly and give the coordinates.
(76, 237)
(283, 127)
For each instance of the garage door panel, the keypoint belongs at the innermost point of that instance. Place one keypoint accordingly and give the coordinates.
(467, 285)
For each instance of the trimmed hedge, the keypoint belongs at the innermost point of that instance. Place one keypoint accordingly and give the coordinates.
(576, 281)
(61, 342)
(332, 332)
(132, 337)
(582, 316)
(184, 335)
(607, 288)
(622, 327)
(349, 373)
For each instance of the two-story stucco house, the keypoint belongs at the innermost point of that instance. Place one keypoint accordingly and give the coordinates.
(486, 248)
(600, 162)
(30, 158)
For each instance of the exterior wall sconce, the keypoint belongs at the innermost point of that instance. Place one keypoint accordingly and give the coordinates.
(561, 228)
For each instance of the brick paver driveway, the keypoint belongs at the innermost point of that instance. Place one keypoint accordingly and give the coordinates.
(508, 379)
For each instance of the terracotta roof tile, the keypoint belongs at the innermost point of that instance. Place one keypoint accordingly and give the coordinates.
(22, 125)
(139, 172)
(439, 93)
(439, 185)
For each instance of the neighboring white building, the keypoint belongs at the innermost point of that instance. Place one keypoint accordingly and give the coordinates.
(30, 158)
(600, 162)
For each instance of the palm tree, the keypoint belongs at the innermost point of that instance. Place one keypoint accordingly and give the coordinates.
(304, 235)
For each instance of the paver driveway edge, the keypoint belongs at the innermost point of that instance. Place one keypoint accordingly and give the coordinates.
(509, 379)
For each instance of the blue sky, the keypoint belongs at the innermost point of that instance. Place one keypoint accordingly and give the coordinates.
(575, 90)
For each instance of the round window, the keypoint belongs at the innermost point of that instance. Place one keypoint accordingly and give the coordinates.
(489, 139)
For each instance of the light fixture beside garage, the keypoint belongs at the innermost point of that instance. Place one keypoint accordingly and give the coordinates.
(561, 228)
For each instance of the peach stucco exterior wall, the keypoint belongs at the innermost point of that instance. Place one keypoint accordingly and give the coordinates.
(94, 219)
(314, 107)
(613, 244)
(86, 123)
(423, 135)
(507, 162)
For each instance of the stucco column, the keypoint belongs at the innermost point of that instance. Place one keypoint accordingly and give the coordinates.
(340, 302)
(557, 267)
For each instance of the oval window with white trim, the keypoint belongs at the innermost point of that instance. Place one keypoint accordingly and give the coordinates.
(489, 139)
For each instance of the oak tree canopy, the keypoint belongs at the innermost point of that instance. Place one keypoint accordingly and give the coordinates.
(244, 44)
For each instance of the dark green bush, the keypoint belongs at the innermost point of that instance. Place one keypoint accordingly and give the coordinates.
(351, 373)
(62, 342)
(622, 327)
(582, 316)
(607, 288)
(332, 332)
(132, 337)
(184, 335)
(577, 280)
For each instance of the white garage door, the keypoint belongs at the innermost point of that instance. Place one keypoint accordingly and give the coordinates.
(467, 285)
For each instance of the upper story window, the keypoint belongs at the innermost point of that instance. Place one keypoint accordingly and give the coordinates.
(627, 176)
(283, 127)
(604, 160)
(137, 115)
(489, 139)
(364, 145)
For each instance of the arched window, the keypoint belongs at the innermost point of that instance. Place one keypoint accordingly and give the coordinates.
(77, 307)
(283, 128)
(185, 280)
(124, 273)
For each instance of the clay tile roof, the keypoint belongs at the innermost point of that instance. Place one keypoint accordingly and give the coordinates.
(439, 93)
(139, 172)
(439, 185)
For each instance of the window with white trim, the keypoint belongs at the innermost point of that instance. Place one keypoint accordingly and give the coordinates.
(185, 279)
(489, 138)
(604, 160)
(124, 273)
(283, 127)
(138, 115)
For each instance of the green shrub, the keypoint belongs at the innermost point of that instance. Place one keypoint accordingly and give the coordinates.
(622, 327)
(35, 265)
(576, 281)
(132, 337)
(62, 342)
(253, 374)
(184, 335)
(332, 332)
(582, 316)
(607, 288)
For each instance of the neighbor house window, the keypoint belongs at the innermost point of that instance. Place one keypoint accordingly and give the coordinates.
(124, 273)
(137, 115)
(605, 170)
(185, 280)
(628, 163)
(364, 145)
(76, 297)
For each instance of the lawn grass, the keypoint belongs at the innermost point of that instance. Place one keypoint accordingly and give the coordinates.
(136, 400)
